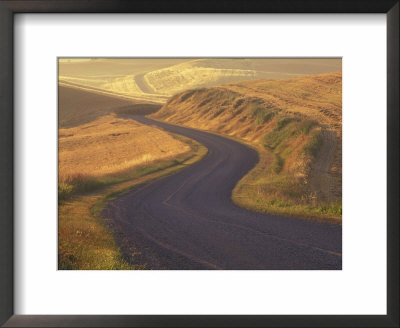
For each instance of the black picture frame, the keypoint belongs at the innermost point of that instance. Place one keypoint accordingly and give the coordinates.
(7, 11)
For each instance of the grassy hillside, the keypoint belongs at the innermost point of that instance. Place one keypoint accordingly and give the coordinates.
(296, 126)
(77, 106)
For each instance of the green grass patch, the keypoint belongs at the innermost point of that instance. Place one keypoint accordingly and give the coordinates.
(278, 163)
(283, 122)
(284, 186)
(331, 212)
(314, 144)
(261, 114)
(281, 139)
(306, 126)
(279, 135)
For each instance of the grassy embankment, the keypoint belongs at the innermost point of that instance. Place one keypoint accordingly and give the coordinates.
(295, 124)
(98, 161)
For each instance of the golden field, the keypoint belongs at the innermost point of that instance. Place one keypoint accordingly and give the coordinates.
(207, 72)
(109, 145)
(112, 76)
(155, 80)
(295, 124)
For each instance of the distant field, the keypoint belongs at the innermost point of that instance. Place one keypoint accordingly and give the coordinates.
(124, 87)
(171, 80)
(96, 67)
(155, 80)
(296, 126)
(208, 72)
(113, 75)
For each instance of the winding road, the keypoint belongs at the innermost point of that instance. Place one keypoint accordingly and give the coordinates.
(188, 220)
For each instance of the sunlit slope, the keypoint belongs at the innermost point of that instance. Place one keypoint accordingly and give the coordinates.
(77, 106)
(229, 108)
(296, 125)
(174, 79)
(110, 144)
(207, 72)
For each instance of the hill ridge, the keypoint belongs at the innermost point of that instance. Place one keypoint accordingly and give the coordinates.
(295, 124)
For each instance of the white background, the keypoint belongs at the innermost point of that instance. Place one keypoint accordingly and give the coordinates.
(360, 288)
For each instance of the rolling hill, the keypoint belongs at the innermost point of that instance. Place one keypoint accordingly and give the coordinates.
(296, 126)
(208, 72)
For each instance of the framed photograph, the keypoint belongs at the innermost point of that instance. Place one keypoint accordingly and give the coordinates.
(203, 164)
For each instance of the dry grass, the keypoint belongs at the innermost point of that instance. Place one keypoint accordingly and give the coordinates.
(109, 145)
(231, 108)
(85, 240)
(93, 153)
(296, 126)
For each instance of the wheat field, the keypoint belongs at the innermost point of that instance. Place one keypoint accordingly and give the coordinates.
(110, 145)
(155, 80)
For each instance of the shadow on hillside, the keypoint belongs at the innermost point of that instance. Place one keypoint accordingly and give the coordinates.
(137, 109)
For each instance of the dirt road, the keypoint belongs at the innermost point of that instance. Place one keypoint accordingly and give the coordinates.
(188, 221)
(139, 79)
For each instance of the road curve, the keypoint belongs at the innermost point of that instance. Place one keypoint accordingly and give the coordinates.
(139, 79)
(188, 221)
